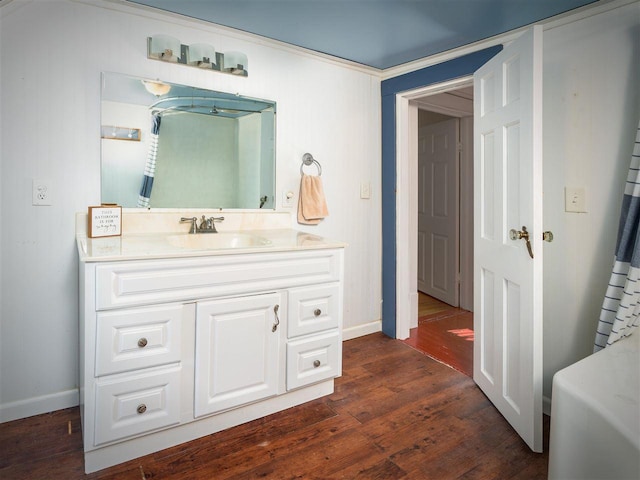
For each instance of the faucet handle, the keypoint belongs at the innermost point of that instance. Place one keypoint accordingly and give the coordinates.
(193, 221)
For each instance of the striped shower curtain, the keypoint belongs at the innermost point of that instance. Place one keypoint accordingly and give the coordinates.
(620, 314)
(150, 166)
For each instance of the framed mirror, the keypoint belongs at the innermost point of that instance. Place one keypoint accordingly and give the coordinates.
(166, 145)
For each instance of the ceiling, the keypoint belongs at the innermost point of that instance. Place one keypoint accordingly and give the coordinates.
(378, 33)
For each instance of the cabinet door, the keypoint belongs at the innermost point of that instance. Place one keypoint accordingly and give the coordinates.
(237, 344)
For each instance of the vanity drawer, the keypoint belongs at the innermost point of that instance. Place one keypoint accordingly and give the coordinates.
(313, 359)
(314, 309)
(138, 338)
(152, 281)
(137, 404)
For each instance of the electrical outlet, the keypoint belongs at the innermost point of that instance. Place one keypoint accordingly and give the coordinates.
(41, 192)
(287, 199)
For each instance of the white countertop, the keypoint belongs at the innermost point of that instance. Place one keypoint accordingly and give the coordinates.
(139, 246)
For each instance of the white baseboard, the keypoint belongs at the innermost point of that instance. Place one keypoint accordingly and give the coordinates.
(37, 405)
(361, 330)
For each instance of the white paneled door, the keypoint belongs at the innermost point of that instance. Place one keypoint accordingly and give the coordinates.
(508, 234)
(438, 211)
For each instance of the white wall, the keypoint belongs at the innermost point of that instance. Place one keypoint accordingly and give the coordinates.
(51, 56)
(591, 111)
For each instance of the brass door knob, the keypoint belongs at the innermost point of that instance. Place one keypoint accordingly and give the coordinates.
(521, 235)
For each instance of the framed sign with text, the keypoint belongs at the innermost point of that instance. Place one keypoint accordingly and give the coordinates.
(105, 221)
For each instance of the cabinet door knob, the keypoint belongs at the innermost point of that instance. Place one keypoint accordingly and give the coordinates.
(316, 363)
(142, 342)
(317, 312)
(141, 408)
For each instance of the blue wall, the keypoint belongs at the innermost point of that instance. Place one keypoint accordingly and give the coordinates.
(442, 72)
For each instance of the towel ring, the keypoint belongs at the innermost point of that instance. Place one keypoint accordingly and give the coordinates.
(308, 160)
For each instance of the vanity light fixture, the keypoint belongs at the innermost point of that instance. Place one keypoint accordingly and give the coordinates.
(164, 47)
(156, 88)
(200, 55)
(236, 63)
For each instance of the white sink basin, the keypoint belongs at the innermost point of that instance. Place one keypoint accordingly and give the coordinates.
(214, 241)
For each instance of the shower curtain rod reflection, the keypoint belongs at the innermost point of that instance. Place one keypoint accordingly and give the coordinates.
(209, 105)
(200, 109)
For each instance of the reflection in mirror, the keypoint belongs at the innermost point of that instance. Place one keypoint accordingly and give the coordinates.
(195, 148)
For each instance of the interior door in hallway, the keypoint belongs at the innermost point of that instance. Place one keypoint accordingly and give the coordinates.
(438, 211)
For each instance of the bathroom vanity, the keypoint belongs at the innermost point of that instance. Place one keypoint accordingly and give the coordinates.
(183, 335)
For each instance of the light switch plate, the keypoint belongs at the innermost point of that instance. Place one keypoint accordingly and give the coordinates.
(365, 190)
(575, 200)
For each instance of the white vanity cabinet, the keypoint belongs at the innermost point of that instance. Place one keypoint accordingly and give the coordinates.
(172, 349)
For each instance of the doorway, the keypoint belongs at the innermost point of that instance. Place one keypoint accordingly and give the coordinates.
(398, 239)
(443, 325)
(440, 99)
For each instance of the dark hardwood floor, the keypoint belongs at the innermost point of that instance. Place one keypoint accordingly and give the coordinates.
(395, 414)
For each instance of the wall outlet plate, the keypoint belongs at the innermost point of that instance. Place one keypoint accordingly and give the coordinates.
(41, 192)
(287, 199)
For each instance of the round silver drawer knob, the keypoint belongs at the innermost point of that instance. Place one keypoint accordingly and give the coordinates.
(142, 342)
(317, 312)
(316, 363)
(141, 408)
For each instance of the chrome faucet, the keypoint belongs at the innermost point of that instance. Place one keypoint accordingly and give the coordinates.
(207, 225)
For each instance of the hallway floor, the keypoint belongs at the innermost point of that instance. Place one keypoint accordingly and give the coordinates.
(444, 333)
